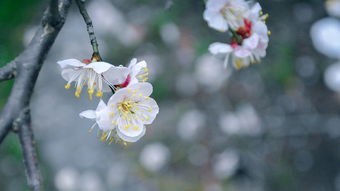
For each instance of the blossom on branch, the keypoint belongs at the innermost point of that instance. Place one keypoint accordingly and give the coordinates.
(91, 74)
(138, 72)
(126, 114)
(224, 14)
(248, 42)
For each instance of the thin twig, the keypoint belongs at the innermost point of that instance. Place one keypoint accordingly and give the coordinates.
(28, 65)
(90, 29)
(28, 148)
(7, 72)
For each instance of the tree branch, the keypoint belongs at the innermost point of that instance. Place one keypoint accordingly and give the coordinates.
(8, 71)
(28, 65)
(28, 148)
(90, 29)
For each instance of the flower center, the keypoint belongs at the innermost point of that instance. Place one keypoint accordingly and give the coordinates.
(246, 30)
(127, 106)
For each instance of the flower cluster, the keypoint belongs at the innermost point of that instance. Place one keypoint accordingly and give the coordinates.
(128, 110)
(246, 24)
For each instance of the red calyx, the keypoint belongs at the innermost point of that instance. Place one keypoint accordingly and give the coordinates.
(86, 61)
(234, 43)
(245, 31)
(125, 83)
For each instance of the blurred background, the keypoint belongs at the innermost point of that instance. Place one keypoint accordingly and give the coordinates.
(272, 126)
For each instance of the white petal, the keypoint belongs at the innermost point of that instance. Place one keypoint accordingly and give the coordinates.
(104, 119)
(220, 48)
(116, 75)
(130, 134)
(242, 52)
(144, 88)
(70, 63)
(251, 42)
(216, 20)
(261, 29)
(68, 73)
(255, 11)
(154, 110)
(101, 105)
(90, 114)
(138, 67)
(132, 63)
(99, 67)
(216, 5)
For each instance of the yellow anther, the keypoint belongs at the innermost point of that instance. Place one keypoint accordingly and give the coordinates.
(135, 128)
(147, 98)
(261, 12)
(77, 93)
(145, 79)
(265, 17)
(269, 32)
(126, 127)
(99, 93)
(112, 114)
(238, 64)
(67, 86)
(145, 69)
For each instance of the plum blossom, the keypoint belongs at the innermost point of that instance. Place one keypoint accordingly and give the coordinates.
(138, 72)
(249, 41)
(126, 114)
(131, 109)
(222, 14)
(91, 73)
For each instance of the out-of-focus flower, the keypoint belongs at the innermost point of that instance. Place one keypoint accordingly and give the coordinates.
(91, 73)
(138, 72)
(154, 156)
(222, 14)
(322, 33)
(332, 77)
(190, 124)
(131, 109)
(225, 164)
(333, 7)
(66, 179)
(209, 73)
(249, 41)
(170, 33)
(244, 121)
(90, 181)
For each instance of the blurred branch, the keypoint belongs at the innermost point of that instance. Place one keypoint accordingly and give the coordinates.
(8, 71)
(28, 148)
(90, 30)
(29, 63)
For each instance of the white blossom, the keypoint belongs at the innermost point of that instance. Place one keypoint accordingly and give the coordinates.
(130, 109)
(249, 43)
(154, 156)
(126, 114)
(333, 7)
(222, 14)
(138, 72)
(91, 73)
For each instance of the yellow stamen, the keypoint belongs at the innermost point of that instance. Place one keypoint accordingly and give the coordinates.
(269, 32)
(77, 93)
(90, 91)
(67, 86)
